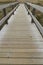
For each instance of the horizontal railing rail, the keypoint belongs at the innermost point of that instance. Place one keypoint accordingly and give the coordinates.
(7, 5)
(3, 21)
(37, 7)
(40, 28)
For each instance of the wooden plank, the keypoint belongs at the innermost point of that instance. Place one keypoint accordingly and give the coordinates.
(20, 50)
(27, 55)
(20, 61)
(20, 41)
(21, 46)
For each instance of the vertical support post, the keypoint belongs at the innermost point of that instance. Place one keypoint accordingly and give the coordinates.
(4, 11)
(33, 12)
(28, 8)
(13, 8)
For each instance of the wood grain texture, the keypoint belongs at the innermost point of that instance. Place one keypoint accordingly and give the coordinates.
(20, 40)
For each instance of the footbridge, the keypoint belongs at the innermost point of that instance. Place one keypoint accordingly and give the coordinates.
(21, 35)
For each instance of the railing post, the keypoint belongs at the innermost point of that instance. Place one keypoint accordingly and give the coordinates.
(4, 11)
(28, 8)
(13, 8)
(33, 12)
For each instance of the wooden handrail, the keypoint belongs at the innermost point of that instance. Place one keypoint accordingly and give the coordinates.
(7, 5)
(40, 28)
(37, 7)
(3, 21)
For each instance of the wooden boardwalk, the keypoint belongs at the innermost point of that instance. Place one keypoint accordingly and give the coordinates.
(20, 40)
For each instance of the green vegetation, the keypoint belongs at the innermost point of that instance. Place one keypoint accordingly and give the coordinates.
(7, 11)
(38, 14)
(1, 14)
(40, 18)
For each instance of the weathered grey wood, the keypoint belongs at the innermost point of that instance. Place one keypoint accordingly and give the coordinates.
(36, 21)
(7, 5)
(4, 11)
(20, 41)
(5, 18)
(37, 7)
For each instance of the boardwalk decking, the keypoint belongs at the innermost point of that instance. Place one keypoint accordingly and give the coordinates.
(20, 40)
